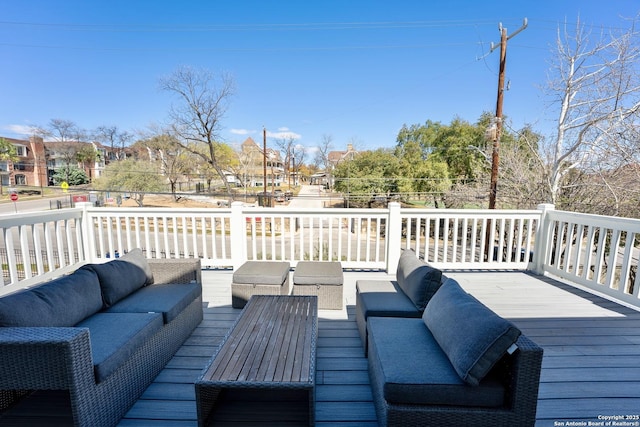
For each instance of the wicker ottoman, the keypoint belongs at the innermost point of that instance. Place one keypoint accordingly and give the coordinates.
(320, 278)
(259, 278)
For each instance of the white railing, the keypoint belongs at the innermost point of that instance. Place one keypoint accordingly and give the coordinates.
(598, 252)
(353, 236)
(38, 246)
(162, 232)
(470, 238)
(594, 251)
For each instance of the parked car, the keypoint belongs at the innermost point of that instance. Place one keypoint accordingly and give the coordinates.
(278, 195)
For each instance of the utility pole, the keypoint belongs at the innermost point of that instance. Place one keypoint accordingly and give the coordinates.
(264, 160)
(495, 155)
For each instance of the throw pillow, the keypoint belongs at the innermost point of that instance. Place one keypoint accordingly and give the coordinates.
(136, 257)
(118, 279)
(418, 280)
(473, 337)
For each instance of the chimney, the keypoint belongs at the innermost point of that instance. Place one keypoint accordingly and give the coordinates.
(349, 147)
(39, 161)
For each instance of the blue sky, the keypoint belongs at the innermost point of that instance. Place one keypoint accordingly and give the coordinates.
(353, 70)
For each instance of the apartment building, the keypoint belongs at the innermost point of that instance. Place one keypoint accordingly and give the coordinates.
(37, 161)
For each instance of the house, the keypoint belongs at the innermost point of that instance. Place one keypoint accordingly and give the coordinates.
(252, 168)
(336, 157)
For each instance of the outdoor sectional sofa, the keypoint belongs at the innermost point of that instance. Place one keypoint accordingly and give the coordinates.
(407, 296)
(459, 363)
(102, 333)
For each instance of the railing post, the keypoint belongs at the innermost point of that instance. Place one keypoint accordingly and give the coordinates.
(394, 237)
(88, 238)
(238, 236)
(543, 234)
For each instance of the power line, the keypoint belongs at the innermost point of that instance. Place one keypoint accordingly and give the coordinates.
(310, 26)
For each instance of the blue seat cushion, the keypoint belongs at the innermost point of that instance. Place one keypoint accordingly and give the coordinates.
(118, 279)
(415, 370)
(168, 299)
(64, 301)
(418, 280)
(116, 336)
(473, 337)
(383, 298)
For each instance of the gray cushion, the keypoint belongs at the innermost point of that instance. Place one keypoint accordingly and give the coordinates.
(168, 299)
(116, 336)
(414, 369)
(383, 298)
(118, 279)
(417, 279)
(61, 302)
(318, 273)
(473, 337)
(136, 257)
(262, 273)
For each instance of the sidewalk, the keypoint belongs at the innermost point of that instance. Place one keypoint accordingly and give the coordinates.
(308, 197)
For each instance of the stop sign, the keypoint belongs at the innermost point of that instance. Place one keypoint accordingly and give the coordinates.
(14, 197)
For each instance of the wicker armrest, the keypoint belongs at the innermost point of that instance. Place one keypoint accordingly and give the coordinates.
(44, 358)
(525, 377)
(184, 270)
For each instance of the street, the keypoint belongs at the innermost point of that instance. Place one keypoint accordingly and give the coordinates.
(31, 204)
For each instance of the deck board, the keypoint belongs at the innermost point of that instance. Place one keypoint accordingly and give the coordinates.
(591, 363)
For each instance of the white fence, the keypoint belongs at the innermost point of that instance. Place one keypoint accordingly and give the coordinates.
(471, 239)
(598, 252)
(38, 246)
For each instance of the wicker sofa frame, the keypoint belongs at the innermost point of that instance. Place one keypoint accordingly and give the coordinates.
(520, 409)
(59, 358)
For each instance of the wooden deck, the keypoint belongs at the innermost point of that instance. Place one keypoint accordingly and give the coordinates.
(591, 365)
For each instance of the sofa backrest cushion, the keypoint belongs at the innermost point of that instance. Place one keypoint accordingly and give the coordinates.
(64, 301)
(418, 280)
(136, 257)
(118, 279)
(473, 337)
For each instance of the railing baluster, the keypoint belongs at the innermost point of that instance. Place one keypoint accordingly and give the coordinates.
(625, 266)
(474, 240)
(599, 252)
(37, 248)
(454, 241)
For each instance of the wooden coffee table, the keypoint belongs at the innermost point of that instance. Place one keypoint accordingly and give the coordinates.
(265, 366)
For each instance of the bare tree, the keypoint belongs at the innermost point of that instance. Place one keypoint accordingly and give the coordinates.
(196, 118)
(521, 178)
(61, 130)
(245, 163)
(298, 156)
(175, 161)
(113, 137)
(287, 149)
(597, 87)
(325, 146)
